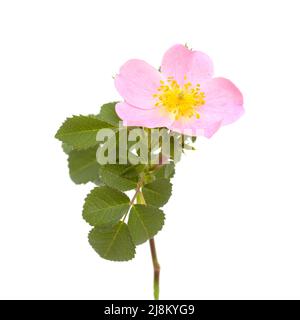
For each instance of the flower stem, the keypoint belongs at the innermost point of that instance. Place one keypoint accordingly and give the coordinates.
(156, 266)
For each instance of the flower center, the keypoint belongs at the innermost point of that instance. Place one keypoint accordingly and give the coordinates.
(181, 101)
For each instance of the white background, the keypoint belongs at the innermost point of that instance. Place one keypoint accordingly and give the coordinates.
(232, 228)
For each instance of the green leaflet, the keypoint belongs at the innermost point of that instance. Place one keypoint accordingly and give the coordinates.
(113, 243)
(121, 177)
(83, 165)
(165, 171)
(80, 132)
(108, 114)
(66, 148)
(105, 205)
(144, 222)
(158, 192)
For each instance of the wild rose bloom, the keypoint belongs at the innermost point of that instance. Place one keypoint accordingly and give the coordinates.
(183, 96)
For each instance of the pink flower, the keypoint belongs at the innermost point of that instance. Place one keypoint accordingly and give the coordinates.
(183, 96)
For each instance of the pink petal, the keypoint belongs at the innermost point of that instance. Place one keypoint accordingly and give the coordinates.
(137, 82)
(179, 62)
(151, 118)
(223, 101)
(196, 127)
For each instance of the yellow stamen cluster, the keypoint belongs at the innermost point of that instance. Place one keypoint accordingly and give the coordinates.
(181, 101)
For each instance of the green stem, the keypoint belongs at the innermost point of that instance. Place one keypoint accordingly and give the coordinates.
(156, 266)
(136, 194)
